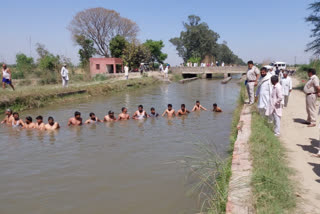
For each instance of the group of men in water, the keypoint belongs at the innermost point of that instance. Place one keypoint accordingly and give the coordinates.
(13, 119)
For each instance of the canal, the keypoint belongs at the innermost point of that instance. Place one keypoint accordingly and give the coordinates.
(124, 167)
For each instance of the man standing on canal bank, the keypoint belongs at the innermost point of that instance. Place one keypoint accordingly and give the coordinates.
(252, 80)
(311, 89)
(64, 75)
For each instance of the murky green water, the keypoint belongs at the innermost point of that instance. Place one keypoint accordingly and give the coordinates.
(125, 167)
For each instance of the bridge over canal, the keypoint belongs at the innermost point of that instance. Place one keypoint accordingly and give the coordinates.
(207, 72)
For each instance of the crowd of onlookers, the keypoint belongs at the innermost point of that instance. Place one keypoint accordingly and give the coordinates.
(202, 64)
(273, 91)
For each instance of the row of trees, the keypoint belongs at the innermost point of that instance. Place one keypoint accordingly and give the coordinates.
(197, 41)
(99, 31)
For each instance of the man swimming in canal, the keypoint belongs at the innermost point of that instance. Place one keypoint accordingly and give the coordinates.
(8, 118)
(110, 117)
(92, 119)
(198, 107)
(216, 108)
(17, 122)
(124, 115)
(153, 113)
(183, 110)
(170, 112)
(76, 120)
(51, 125)
(39, 124)
(140, 114)
(28, 124)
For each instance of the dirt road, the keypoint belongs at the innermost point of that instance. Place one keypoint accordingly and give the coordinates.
(302, 142)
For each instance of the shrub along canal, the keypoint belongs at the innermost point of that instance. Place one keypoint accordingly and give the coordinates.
(124, 167)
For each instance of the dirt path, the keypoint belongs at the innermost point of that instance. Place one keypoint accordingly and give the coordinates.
(301, 143)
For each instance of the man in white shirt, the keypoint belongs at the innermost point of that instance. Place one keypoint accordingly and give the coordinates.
(264, 90)
(161, 67)
(286, 84)
(64, 75)
(126, 71)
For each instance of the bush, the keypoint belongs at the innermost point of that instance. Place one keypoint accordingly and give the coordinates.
(17, 75)
(48, 78)
(49, 62)
(100, 77)
(77, 77)
(24, 63)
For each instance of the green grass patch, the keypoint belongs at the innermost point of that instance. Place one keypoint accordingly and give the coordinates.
(273, 190)
(176, 77)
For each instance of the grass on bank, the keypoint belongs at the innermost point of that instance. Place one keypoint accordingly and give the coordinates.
(38, 96)
(214, 172)
(272, 188)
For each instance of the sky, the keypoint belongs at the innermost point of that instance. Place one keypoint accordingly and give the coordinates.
(254, 29)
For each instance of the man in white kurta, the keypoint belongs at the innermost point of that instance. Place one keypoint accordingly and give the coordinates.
(126, 72)
(264, 90)
(286, 83)
(275, 108)
(64, 75)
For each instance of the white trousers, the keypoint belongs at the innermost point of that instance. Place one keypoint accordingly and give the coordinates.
(286, 100)
(250, 90)
(276, 121)
(64, 82)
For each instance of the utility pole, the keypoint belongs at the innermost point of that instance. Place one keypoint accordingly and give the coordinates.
(295, 61)
(30, 46)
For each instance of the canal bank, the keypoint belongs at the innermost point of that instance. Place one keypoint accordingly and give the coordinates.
(261, 178)
(39, 96)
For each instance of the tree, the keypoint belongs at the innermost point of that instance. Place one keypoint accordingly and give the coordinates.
(41, 50)
(117, 46)
(101, 25)
(47, 61)
(86, 51)
(197, 40)
(135, 53)
(155, 50)
(314, 19)
(24, 63)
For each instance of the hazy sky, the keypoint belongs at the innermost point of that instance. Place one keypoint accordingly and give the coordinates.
(254, 29)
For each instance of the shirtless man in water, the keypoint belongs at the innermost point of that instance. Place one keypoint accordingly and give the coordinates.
(76, 120)
(170, 112)
(92, 119)
(140, 114)
(124, 115)
(8, 118)
(17, 122)
(183, 110)
(110, 117)
(216, 108)
(51, 125)
(28, 124)
(198, 107)
(39, 124)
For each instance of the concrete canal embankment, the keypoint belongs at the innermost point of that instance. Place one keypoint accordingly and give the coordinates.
(35, 97)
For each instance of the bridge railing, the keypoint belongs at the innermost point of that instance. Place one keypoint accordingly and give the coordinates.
(209, 70)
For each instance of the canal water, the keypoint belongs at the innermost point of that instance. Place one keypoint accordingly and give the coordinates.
(125, 167)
